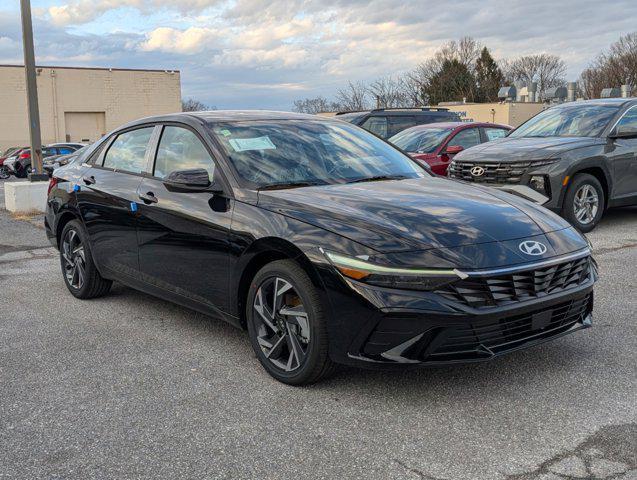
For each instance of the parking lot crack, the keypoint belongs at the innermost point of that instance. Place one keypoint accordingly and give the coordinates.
(415, 471)
(602, 251)
(606, 455)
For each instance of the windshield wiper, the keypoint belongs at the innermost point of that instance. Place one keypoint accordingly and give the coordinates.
(282, 185)
(379, 178)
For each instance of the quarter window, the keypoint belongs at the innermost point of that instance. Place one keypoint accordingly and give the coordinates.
(629, 120)
(377, 125)
(181, 149)
(466, 138)
(128, 151)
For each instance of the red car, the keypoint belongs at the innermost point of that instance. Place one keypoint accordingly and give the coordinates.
(437, 143)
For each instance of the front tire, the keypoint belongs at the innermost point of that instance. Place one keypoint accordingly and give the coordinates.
(584, 202)
(287, 324)
(78, 269)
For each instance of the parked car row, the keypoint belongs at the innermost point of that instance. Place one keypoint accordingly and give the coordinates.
(17, 160)
(577, 159)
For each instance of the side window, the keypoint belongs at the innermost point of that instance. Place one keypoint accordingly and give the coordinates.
(400, 123)
(493, 133)
(180, 149)
(377, 125)
(629, 120)
(466, 138)
(65, 150)
(128, 151)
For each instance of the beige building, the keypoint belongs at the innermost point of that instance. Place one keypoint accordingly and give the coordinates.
(507, 113)
(82, 104)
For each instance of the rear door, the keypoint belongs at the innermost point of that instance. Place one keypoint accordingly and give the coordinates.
(184, 236)
(108, 200)
(398, 123)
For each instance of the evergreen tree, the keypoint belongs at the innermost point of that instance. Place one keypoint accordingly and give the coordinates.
(453, 82)
(489, 78)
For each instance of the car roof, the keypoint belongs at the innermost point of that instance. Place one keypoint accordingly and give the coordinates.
(457, 125)
(425, 111)
(214, 116)
(600, 101)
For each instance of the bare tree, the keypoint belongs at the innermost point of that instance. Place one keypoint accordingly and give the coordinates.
(315, 105)
(613, 68)
(390, 93)
(192, 105)
(353, 97)
(545, 69)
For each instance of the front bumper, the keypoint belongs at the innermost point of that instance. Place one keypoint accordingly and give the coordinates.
(432, 339)
(383, 328)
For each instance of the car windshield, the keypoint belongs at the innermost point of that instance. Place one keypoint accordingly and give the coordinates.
(568, 120)
(291, 153)
(421, 140)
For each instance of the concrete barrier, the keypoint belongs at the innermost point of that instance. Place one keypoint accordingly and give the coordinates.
(25, 197)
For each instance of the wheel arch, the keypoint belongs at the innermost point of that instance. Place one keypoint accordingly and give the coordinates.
(600, 174)
(259, 254)
(64, 218)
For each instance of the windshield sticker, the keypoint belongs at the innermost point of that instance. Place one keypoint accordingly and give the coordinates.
(257, 143)
(225, 133)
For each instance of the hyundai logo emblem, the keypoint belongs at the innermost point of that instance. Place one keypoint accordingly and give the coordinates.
(477, 171)
(532, 248)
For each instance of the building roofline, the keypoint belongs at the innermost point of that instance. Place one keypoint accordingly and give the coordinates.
(58, 67)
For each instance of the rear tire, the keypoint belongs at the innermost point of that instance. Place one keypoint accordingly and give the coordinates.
(584, 202)
(4, 173)
(285, 315)
(78, 269)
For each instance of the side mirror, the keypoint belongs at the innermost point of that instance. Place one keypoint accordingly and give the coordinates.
(453, 149)
(193, 180)
(623, 132)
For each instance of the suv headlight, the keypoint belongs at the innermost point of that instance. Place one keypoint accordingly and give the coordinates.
(393, 277)
(540, 184)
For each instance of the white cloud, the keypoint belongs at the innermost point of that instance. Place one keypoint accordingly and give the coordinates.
(189, 41)
(319, 44)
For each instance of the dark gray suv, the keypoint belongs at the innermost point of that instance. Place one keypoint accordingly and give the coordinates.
(577, 159)
(387, 122)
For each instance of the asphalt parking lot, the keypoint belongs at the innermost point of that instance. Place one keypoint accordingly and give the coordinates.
(130, 386)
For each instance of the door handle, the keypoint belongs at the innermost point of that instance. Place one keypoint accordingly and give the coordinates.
(89, 180)
(148, 198)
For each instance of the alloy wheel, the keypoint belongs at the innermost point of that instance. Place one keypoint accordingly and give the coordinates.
(73, 259)
(586, 203)
(4, 173)
(282, 324)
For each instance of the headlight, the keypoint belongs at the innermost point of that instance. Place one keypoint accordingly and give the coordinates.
(540, 184)
(393, 277)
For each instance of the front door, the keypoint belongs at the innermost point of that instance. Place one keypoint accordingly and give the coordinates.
(184, 236)
(107, 202)
(624, 159)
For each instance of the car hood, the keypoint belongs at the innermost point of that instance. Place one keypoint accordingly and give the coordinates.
(524, 148)
(414, 214)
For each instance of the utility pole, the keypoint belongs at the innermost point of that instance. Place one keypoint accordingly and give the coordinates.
(32, 93)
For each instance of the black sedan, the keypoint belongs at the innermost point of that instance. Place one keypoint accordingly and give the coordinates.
(326, 243)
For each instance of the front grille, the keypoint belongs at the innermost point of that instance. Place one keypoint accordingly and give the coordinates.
(491, 291)
(484, 339)
(495, 172)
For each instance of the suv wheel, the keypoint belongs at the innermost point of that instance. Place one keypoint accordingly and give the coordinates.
(286, 324)
(584, 202)
(80, 274)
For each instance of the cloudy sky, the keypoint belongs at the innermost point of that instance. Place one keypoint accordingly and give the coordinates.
(266, 53)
